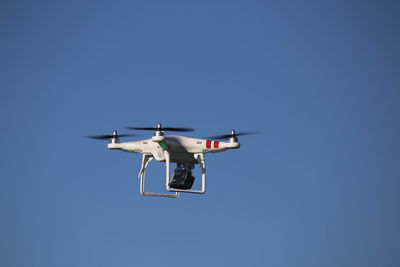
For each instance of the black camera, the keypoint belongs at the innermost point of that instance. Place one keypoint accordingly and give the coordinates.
(183, 178)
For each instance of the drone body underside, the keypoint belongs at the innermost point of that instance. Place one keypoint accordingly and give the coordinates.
(181, 149)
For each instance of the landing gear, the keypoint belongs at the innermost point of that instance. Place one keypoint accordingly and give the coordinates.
(182, 180)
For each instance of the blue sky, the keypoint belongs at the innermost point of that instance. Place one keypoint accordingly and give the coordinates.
(318, 187)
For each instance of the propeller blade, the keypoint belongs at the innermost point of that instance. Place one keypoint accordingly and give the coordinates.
(175, 129)
(127, 135)
(99, 137)
(141, 128)
(105, 137)
(171, 129)
(227, 136)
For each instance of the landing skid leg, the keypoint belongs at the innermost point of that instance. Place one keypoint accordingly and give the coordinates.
(145, 162)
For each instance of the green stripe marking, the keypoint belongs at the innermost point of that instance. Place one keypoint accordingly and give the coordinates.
(163, 145)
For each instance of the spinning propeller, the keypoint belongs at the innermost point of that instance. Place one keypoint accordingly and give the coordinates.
(233, 135)
(115, 135)
(160, 128)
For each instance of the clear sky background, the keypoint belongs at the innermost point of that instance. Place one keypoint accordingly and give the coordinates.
(319, 79)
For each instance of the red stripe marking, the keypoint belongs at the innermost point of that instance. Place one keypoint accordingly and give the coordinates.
(216, 144)
(208, 144)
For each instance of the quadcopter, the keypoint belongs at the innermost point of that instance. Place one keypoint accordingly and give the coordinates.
(186, 152)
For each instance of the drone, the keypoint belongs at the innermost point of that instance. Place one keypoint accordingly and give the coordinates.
(186, 152)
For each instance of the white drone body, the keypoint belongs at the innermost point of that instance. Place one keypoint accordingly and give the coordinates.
(184, 151)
